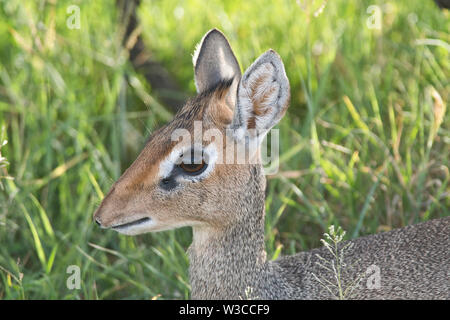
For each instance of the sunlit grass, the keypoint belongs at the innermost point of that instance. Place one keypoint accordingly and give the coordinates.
(365, 144)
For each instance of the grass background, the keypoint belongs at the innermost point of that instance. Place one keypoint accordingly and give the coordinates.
(365, 144)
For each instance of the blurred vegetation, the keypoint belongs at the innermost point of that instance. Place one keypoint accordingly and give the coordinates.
(365, 144)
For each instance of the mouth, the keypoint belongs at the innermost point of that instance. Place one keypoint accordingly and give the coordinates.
(135, 223)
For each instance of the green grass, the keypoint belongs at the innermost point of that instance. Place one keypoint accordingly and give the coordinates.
(365, 144)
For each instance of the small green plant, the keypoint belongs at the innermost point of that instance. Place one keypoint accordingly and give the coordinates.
(14, 281)
(336, 265)
(3, 161)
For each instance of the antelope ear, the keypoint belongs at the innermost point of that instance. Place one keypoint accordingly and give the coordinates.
(214, 61)
(262, 97)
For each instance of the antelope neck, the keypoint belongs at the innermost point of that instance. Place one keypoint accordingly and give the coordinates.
(220, 257)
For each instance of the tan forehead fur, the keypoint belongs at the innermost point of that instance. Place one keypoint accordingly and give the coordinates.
(210, 108)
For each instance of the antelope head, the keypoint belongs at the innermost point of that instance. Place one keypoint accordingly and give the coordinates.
(191, 172)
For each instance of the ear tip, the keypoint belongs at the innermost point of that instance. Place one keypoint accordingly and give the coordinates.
(279, 71)
(214, 32)
(272, 55)
(211, 33)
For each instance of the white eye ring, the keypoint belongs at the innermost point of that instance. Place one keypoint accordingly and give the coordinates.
(177, 155)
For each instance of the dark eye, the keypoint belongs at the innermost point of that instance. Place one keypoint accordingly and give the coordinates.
(193, 168)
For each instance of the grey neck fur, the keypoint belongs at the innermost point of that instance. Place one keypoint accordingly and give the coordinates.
(230, 259)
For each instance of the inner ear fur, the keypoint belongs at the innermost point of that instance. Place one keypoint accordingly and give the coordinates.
(263, 96)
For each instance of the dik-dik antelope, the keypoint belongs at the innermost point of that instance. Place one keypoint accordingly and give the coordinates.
(192, 182)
